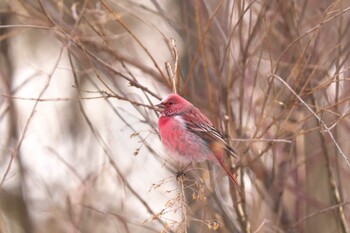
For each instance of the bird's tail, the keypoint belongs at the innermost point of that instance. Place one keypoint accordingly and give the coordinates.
(228, 172)
(233, 179)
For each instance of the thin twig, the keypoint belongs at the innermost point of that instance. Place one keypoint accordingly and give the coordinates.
(316, 116)
(118, 19)
(173, 73)
(325, 210)
(183, 204)
(261, 140)
(28, 26)
(27, 123)
(107, 150)
(176, 76)
(104, 96)
(261, 225)
(170, 73)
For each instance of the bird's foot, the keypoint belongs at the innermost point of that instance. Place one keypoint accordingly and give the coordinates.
(180, 174)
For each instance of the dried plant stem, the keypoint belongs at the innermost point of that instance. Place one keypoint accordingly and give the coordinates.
(114, 70)
(104, 95)
(240, 206)
(261, 225)
(315, 115)
(173, 73)
(117, 17)
(262, 140)
(183, 203)
(242, 216)
(107, 151)
(317, 27)
(200, 43)
(332, 182)
(227, 46)
(176, 65)
(42, 92)
(171, 76)
(325, 210)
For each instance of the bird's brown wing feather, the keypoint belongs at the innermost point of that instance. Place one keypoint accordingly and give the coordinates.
(200, 125)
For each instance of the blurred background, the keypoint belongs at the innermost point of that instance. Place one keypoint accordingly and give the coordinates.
(79, 144)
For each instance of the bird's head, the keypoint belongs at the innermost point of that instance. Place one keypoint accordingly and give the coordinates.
(172, 104)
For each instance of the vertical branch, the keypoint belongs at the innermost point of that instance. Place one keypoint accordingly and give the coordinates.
(173, 73)
(176, 79)
(171, 76)
(184, 206)
(337, 191)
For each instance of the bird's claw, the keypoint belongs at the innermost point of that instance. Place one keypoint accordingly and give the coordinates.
(180, 174)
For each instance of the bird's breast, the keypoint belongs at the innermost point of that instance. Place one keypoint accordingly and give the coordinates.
(183, 144)
(170, 127)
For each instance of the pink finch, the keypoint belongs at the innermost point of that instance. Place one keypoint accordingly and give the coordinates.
(189, 135)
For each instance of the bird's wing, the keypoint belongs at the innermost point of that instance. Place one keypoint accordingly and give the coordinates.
(197, 123)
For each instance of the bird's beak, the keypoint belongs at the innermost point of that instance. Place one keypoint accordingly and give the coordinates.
(159, 107)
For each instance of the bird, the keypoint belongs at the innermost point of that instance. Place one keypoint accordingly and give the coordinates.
(188, 135)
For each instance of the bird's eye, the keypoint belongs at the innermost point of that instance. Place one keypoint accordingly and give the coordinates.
(171, 103)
